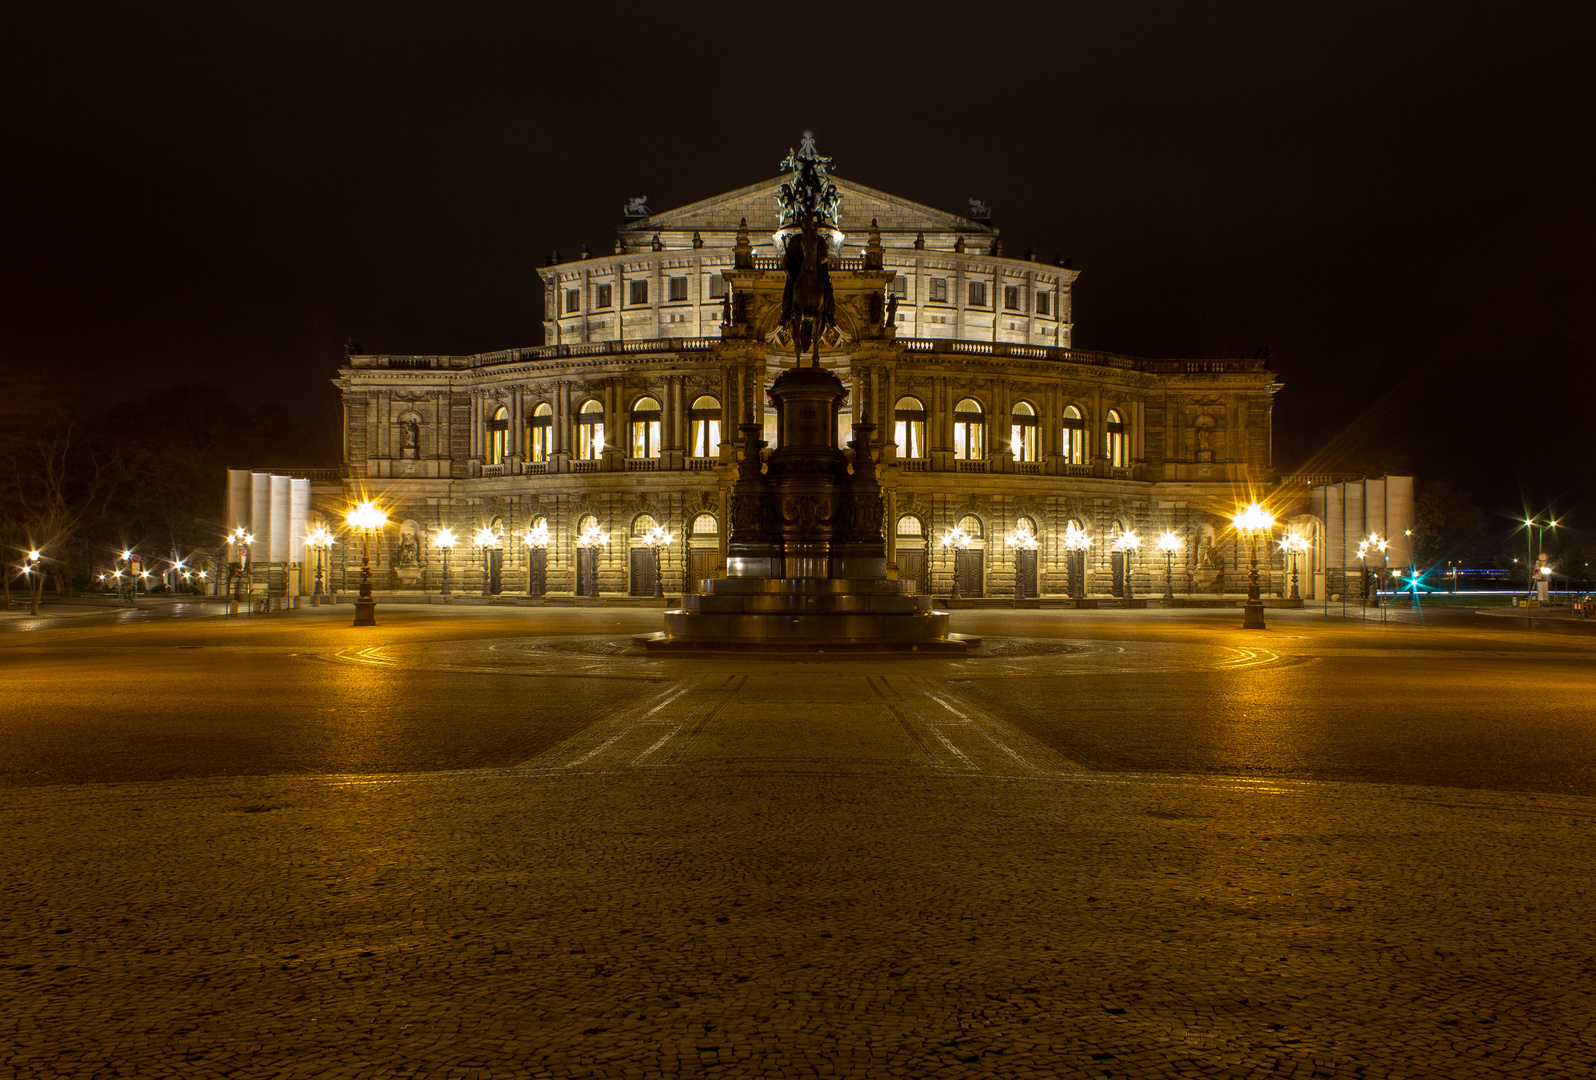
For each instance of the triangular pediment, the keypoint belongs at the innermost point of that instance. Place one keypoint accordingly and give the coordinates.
(900, 220)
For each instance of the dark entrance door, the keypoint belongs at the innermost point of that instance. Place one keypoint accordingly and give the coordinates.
(702, 565)
(587, 571)
(645, 570)
(538, 572)
(911, 566)
(968, 562)
(495, 570)
(1116, 568)
(1026, 563)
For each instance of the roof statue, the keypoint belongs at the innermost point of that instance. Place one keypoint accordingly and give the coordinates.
(636, 207)
(808, 192)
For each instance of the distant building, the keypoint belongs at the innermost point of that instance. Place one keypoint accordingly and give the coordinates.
(988, 419)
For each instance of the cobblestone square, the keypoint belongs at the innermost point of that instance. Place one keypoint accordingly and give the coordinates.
(496, 844)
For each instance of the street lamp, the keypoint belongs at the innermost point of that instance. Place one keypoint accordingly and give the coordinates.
(445, 541)
(318, 540)
(366, 517)
(1076, 541)
(485, 540)
(1128, 542)
(1167, 544)
(35, 580)
(1021, 539)
(1294, 544)
(1251, 521)
(657, 540)
(959, 539)
(537, 568)
(592, 538)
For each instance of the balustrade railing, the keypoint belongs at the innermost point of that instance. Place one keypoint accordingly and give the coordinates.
(914, 464)
(585, 466)
(493, 470)
(971, 466)
(642, 464)
(702, 462)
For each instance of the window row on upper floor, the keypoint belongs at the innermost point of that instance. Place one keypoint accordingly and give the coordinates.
(970, 433)
(643, 429)
(1013, 297)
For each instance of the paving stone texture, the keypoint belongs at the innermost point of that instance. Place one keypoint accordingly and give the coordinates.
(791, 869)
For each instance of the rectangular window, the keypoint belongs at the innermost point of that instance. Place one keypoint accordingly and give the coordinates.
(978, 294)
(639, 291)
(573, 300)
(717, 287)
(1011, 297)
(678, 288)
(939, 290)
(1042, 302)
(900, 287)
(602, 297)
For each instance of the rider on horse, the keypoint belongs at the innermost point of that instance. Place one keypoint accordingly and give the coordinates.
(807, 306)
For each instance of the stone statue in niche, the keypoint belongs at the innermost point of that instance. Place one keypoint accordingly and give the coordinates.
(406, 567)
(410, 440)
(1205, 438)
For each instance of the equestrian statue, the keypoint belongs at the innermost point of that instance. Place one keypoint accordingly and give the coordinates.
(808, 308)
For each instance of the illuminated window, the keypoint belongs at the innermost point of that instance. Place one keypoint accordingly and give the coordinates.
(645, 428)
(1044, 302)
(970, 525)
(678, 288)
(1115, 449)
(1022, 433)
(590, 431)
(499, 436)
(603, 296)
(909, 525)
(539, 433)
(978, 294)
(703, 427)
(643, 524)
(1074, 436)
(1011, 297)
(639, 291)
(910, 428)
(573, 300)
(706, 525)
(969, 431)
(939, 290)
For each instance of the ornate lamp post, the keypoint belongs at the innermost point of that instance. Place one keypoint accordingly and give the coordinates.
(367, 518)
(1128, 542)
(445, 542)
(1076, 541)
(319, 540)
(658, 540)
(1167, 543)
(485, 540)
(537, 568)
(592, 539)
(1253, 521)
(955, 540)
(1294, 544)
(1021, 539)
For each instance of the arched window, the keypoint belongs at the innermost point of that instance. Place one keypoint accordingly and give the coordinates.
(703, 427)
(642, 525)
(590, 431)
(586, 523)
(645, 428)
(1074, 436)
(1025, 524)
(969, 431)
(539, 432)
(1022, 435)
(909, 525)
(910, 427)
(970, 525)
(706, 525)
(499, 436)
(1115, 450)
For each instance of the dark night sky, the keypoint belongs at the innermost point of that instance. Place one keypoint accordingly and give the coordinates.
(1398, 200)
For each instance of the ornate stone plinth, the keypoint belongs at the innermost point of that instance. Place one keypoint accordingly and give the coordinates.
(806, 562)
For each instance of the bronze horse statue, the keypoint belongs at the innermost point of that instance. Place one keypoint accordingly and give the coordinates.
(808, 309)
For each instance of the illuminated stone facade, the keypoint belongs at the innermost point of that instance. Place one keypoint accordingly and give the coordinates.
(958, 352)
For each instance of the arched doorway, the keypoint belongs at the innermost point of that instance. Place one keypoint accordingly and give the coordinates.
(703, 551)
(587, 558)
(495, 559)
(1116, 559)
(644, 559)
(1025, 559)
(911, 558)
(969, 563)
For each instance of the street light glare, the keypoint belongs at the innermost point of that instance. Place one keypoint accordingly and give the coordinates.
(445, 538)
(1169, 541)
